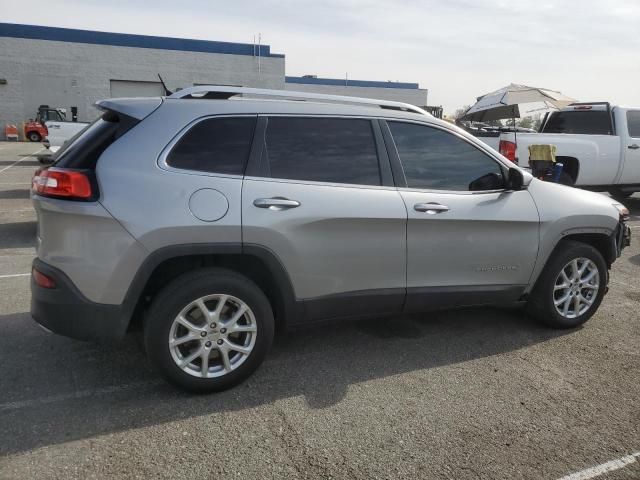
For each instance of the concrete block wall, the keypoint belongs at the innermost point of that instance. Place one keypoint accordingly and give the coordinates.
(65, 74)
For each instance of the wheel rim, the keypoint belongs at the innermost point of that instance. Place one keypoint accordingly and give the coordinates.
(212, 336)
(576, 287)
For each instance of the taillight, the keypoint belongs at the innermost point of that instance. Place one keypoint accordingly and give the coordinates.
(59, 182)
(43, 280)
(508, 149)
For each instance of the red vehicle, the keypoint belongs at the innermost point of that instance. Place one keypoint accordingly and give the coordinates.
(36, 130)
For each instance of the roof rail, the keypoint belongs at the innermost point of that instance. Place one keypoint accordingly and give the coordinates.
(223, 92)
(588, 103)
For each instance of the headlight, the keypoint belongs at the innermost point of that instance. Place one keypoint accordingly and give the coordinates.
(622, 210)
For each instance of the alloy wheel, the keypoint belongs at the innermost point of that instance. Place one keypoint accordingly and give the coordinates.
(212, 336)
(576, 287)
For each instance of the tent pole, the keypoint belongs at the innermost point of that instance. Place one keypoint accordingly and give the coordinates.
(515, 137)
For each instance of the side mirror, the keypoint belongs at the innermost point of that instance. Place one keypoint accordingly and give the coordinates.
(515, 179)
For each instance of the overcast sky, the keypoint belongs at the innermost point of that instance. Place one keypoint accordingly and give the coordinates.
(458, 49)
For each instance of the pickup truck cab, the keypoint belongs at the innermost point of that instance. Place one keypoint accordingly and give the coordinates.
(599, 146)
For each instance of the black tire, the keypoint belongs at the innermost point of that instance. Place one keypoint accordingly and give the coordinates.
(168, 303)
(619, 194)
(566, 179)
(541, 301)
(34, 137)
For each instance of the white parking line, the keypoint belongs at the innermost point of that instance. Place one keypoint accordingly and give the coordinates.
(598, 470)
(23, 158)
(13, 164)
(74, 395)
(15, 275)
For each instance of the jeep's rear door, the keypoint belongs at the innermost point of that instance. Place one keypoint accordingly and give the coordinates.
(469, 240)
(322, 199)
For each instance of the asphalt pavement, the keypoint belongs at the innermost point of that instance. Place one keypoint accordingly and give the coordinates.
(466, 394)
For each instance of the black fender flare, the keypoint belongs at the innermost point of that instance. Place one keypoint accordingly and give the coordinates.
(291, 309)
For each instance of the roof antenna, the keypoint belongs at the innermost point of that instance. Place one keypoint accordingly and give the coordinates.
(167, 92)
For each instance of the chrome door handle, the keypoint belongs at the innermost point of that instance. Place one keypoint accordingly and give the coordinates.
(276, 203)
(634, 146)
(430, 208)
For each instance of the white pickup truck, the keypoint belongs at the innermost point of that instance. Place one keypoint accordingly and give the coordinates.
(599, 146)
(60, 132)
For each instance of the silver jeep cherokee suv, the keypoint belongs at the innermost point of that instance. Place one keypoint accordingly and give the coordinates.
(213, 216)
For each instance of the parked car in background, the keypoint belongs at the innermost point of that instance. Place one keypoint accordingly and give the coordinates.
(599, 146)
(208, 219)
(60, 132)
(490, 134)
(63, 133)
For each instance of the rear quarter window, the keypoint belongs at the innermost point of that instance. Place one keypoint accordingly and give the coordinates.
(215, 145)
(83, 150)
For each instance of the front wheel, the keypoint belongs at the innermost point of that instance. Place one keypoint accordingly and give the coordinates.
(208, 330)
(571, 286)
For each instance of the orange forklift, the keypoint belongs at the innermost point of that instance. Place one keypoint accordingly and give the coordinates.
(35, 129)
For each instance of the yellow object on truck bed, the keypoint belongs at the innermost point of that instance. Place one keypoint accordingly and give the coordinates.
(542, 153)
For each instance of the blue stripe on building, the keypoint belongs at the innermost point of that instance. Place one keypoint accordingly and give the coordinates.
(129, 40)
(349, 83)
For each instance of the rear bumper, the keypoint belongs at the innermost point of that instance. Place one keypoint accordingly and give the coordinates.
(64, 310)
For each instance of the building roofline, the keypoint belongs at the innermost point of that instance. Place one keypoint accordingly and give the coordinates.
(37, 32)
(342, 82)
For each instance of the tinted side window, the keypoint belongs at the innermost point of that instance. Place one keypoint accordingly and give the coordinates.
(218, 145)
(585, 122)
(438, 160)
(336, 150)
(633, 123)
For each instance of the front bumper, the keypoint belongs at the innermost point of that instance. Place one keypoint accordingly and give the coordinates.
(64, 310)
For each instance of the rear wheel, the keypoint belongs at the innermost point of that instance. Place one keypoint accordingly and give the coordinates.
(571, 287)
(34, 137)
(208, 330)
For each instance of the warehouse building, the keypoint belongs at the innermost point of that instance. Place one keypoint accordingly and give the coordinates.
(67, 68)
(396, 91)
(64, 67)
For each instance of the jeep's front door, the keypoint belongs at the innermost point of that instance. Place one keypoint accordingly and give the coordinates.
(323, 201)
(469, 241)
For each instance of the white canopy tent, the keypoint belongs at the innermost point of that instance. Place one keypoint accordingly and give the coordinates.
(504, 103)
